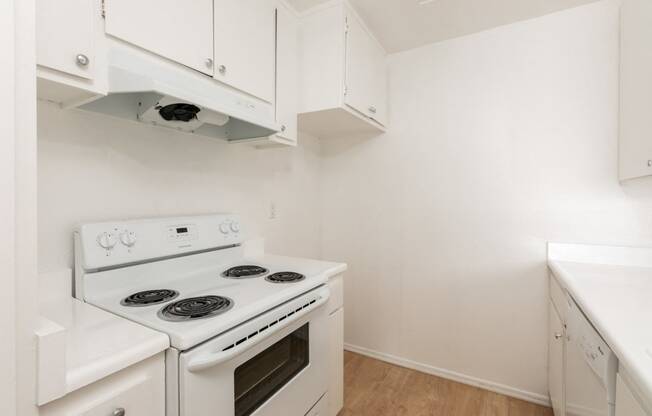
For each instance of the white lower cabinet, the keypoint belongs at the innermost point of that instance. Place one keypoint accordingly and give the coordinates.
(321, 408)
(336, 371)
(138, 390)
(626, 402)
(556, 363)
(336, 350)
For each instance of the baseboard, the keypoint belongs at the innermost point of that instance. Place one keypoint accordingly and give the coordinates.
(452, 375)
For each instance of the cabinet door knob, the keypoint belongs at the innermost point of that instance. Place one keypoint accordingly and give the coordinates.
(372, 109)
(120, 411)
(209, 62)
(649, 163)
(283, 128)
(558, 335)
(222, 69)
(82, 60)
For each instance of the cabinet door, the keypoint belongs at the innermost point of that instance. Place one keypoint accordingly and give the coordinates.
(137, 390)
(180, 31)
(556, 361)
(365, 64)
(287, 73)
(336, 363)
(636, 89)
(626, 403)
(64, 36)
(379, 93)
(245, 45)
(320, 408)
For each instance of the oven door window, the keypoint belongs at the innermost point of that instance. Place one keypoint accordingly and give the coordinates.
(263, 375)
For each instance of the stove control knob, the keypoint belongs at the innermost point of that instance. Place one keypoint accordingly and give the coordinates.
(224, 228)
(235, 227)
(128, 238)
(106, 240)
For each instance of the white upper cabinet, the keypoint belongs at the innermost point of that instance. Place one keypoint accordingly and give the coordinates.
(245, 45)
(366, 80)
(287, 73)
(343, 89)
(64, 36)
(636, 89)
(180, 31)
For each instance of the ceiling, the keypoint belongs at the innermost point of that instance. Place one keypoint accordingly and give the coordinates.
(404, 24)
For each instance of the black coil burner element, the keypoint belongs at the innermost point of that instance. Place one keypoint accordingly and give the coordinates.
(195, 308)
(243, 272)
(149, 297)
(285, 277)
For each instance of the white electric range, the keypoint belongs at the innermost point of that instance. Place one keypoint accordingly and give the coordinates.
(247, 338)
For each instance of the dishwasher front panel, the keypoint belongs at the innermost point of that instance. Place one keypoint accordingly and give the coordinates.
(590, 369)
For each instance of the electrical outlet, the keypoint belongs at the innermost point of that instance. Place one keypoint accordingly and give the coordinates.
(272, 210)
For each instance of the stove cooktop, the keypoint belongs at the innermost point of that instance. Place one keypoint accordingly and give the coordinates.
(189, 276)
(206, 303)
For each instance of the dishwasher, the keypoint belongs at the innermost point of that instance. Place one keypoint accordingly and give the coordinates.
(590, 368)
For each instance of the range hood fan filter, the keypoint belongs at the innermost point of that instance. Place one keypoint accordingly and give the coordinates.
(178, 112)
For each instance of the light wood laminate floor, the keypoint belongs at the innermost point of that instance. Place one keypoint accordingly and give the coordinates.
(376, 388)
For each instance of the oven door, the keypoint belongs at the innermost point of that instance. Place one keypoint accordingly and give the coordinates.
(272, 365)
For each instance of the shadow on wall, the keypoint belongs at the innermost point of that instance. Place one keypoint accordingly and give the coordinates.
(340, 145)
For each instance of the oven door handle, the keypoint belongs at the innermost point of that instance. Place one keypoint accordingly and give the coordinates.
(203, 362)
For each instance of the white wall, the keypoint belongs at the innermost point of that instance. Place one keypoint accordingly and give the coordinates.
(18, 209)
(96, 168)
(499, 142)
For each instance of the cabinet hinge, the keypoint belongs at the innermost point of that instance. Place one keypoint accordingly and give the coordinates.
(103, 9)
(346, 89)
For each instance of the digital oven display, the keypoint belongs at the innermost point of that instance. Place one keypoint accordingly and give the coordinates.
(182, 230)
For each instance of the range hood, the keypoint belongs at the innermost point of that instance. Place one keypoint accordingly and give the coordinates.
(151, 90)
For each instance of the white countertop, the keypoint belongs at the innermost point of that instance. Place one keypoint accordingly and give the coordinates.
(100, 343)
(613, 286)
(96, 344)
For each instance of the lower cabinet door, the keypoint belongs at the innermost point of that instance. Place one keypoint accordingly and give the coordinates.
(626, 403)
(138, 390)
(556, 361)
(320, 408)
(336, 362)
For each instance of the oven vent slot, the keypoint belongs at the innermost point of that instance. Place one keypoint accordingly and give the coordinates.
(269, 325)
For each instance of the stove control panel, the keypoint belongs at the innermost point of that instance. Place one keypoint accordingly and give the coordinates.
(106, 240)
(109, 244)
(128, 238)
(230, 226)
(181, 232)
